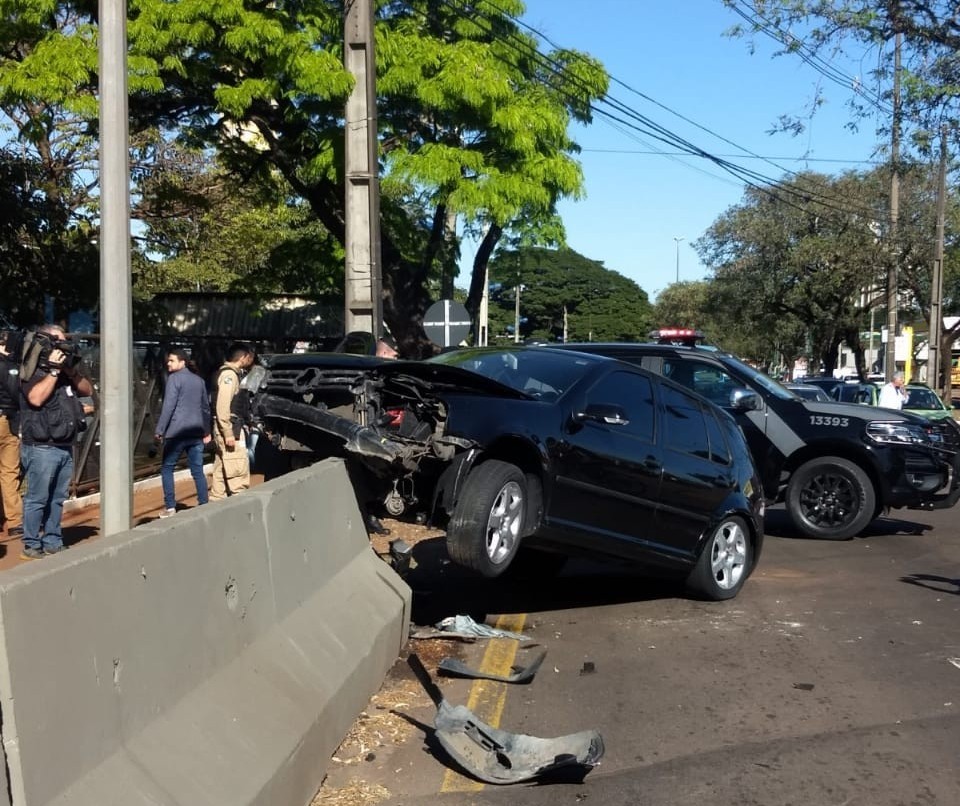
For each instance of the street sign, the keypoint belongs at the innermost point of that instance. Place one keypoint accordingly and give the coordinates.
(446, 323)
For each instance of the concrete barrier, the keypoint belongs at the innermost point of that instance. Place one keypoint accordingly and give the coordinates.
(216, 657)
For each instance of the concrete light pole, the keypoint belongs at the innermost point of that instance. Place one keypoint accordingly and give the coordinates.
(677, 238)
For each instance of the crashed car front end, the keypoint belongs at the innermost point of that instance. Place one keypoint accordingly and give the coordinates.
(394, 422)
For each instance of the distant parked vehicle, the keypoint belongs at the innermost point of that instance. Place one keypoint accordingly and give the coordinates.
(827, 383)
(808, 392)
(866, 394)
(922, 400)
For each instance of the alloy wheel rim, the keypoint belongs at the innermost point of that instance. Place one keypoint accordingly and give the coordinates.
(728, 555)
(503, 523)
(828, 500)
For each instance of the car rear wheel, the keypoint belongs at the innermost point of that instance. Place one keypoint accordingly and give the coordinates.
(830, 498)
(724, 564)
(487, 522)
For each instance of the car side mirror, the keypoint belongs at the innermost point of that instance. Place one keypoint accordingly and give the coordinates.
(606, 413)
(745, 400)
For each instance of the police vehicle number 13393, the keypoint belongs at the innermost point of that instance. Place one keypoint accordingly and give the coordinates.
(819, 419)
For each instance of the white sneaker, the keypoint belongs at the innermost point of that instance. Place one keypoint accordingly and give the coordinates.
(166, 513)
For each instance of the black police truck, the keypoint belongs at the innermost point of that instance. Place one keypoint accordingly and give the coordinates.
(836, 466)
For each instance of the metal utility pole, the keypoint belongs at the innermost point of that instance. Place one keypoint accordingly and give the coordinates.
(516, 314)
(116, 323)
(483, 317)
(363, 302)
(678, 239)
(890, 354)
(936, 282)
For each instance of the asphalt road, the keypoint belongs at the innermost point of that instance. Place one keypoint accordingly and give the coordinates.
(834, 678)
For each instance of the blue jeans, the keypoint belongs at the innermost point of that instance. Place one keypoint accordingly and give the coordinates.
(47, 470)
(172, 448)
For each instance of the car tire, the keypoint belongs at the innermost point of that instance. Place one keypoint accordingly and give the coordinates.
(487, 521)
(830, 498)
(724, 562)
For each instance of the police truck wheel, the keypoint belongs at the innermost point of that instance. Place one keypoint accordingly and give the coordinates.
(830, 498)
(487, 522)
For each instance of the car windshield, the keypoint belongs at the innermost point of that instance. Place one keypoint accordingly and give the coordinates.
(922, 399)
(538, 372)
(810, 393)
(757, 378)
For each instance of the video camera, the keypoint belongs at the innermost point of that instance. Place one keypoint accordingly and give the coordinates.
(36, 351)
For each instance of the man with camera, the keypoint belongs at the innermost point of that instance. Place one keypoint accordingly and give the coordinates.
(50, 419)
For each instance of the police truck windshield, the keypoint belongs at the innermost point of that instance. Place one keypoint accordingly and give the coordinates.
(757, 378)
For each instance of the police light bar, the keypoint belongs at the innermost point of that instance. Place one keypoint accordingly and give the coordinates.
(677, 335)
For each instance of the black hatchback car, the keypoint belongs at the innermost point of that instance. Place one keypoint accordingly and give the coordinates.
(836, 466)
(538, 452)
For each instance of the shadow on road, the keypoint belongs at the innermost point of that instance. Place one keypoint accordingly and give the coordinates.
(442, 589)
(933, 582)
(778, 524)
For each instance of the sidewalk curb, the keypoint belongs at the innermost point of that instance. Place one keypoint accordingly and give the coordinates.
(72, 504)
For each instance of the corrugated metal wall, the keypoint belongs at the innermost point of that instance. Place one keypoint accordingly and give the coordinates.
(277, 318)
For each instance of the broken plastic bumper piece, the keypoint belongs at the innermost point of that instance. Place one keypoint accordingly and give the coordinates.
(498, 757)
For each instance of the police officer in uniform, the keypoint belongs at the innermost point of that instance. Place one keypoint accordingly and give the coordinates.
(10, 434)
(231, 466)
(50, 417)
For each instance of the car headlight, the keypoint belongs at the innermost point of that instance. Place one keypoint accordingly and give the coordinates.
(898, 433)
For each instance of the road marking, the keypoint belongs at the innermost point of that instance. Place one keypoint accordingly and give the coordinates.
(488, 697)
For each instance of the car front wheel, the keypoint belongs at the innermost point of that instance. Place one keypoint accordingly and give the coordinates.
(830, 498)
(487, 521)
(724, 564)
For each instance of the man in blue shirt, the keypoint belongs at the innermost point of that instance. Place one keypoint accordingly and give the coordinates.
(184, 426)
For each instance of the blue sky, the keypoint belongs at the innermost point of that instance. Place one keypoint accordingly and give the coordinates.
(677, 54)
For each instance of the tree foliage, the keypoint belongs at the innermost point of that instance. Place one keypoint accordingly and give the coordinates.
(820, 31)
(789, 271)
(473, 121)
(600, 304)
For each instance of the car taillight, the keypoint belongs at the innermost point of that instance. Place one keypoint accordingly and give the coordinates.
(394, 417)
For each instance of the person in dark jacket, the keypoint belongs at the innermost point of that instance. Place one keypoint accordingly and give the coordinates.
(184, 426)
(50, 418)
(10, 436)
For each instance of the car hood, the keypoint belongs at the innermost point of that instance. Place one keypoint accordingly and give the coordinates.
(932, 414)
(861, 412)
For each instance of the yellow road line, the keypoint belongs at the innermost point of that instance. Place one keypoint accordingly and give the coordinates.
(488, 697)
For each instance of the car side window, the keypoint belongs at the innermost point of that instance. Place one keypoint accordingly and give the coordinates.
(705, 379)
(685, 426)
(719, 450)
(635, 394)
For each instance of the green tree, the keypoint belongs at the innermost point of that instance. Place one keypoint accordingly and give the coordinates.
(473, 120)
(207, 231)
(787, 271)
(599, 304)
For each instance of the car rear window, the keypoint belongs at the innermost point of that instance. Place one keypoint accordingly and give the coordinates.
(536, 371)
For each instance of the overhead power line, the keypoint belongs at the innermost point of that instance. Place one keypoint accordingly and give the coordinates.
(620, 114)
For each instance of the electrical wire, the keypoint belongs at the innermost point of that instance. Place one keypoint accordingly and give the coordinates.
(627, 117)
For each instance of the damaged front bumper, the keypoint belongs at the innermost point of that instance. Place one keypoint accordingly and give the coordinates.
(363, 440)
